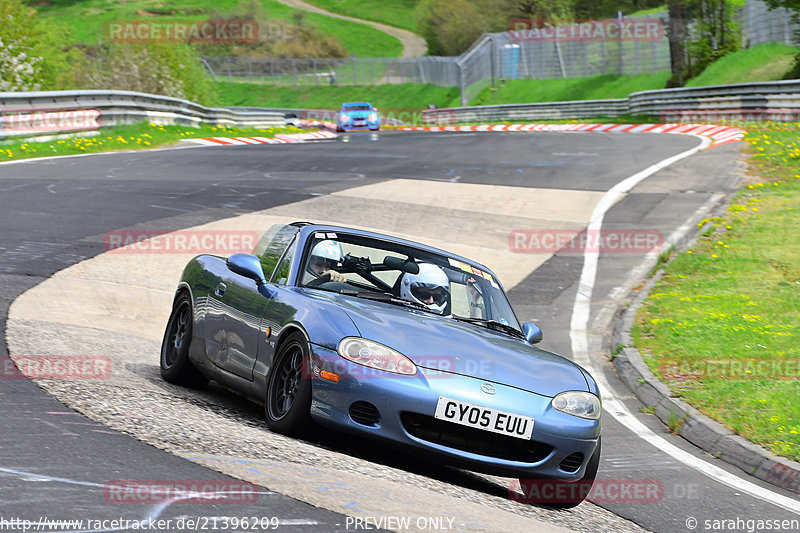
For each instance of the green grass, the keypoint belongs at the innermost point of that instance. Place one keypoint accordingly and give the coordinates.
(88, 19)
(555, 90)
(134, 137)
(385, 97)
(397, 13)
(732, 302)
(763, 62)
(653, 11)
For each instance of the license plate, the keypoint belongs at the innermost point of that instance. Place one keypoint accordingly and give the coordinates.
(486, 418)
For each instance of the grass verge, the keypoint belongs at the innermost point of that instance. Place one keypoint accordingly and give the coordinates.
(721, 327)
(763, 62)
(561, 90)
(397, 13)
(385, 97)
(88, 20)
(134, 137)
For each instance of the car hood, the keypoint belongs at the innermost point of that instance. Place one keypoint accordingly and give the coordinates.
(449, 345)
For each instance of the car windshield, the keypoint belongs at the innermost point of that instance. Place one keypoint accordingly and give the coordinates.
(361, 107)
(364, 266)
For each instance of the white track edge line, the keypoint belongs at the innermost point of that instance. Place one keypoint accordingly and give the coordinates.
(579, 331)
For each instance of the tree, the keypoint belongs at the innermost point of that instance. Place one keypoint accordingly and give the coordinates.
(699, 32)
(678, 12)
(18, 37)
(794, 9)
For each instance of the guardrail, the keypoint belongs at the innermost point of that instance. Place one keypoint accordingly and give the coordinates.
(41, 113)
(773, 99)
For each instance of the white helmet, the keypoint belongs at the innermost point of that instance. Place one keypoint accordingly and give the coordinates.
(430, 287)
(327, 250)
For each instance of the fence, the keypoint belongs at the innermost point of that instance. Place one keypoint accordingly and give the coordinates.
(759, 24)
(508, 55)
(494, 56)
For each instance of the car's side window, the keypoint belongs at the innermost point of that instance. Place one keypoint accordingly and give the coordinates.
(281, 275)
(271, 246)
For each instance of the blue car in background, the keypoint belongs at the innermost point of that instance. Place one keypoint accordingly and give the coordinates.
(357, 116)
(389, 339)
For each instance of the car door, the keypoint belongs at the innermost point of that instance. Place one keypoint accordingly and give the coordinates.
(236, 308)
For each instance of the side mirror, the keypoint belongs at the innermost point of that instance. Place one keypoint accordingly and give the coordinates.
(248, 266)
(533, 333)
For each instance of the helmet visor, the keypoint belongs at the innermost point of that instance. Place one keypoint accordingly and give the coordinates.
(429, 295)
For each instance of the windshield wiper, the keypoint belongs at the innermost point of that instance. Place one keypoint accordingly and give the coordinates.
(492, 324)
(383, 297)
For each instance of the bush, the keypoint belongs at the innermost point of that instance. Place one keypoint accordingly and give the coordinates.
(168, 69)
(276, 37)
(18, 36)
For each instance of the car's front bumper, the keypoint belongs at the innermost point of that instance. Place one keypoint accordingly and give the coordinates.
(404, 408)
(359, 125)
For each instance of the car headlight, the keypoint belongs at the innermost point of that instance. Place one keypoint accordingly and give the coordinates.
(372, 117)
(576, 403)
(344, 118)
(375, 355)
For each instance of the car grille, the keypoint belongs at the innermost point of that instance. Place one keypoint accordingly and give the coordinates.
(364, 413)
(474, 440)
(572, 462)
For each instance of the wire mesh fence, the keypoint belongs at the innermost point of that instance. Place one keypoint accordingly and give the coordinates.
(759, 24)
(588, 48)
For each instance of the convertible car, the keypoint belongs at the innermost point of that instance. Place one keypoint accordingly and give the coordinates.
(389, 339)
(357, 116)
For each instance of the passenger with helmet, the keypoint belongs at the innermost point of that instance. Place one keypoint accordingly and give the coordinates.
(324, 257)
(430, 287)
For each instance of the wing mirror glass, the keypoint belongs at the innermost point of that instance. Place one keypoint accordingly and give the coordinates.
(533, 333)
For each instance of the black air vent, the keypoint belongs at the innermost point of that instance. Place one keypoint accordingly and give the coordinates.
(474, 440)
(365, 413)
(572, 463)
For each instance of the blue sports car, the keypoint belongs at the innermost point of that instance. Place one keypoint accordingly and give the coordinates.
(357, 116)
(390, 339)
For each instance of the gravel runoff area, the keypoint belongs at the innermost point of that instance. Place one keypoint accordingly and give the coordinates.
(227, 433)
(117, 305)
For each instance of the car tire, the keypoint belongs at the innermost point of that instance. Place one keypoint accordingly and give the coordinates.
(582, 487)
(288, 402)
(175, 364)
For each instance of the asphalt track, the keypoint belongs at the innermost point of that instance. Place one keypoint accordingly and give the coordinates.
(57, 211)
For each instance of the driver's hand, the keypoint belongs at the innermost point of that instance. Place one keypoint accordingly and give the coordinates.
(475, 295)
(335, 276)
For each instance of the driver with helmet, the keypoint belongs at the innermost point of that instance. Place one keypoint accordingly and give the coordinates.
(430, 287)
(324, 256)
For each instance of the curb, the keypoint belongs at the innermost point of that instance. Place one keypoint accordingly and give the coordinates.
(695, 427)
(278, 139)
(719, 135)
